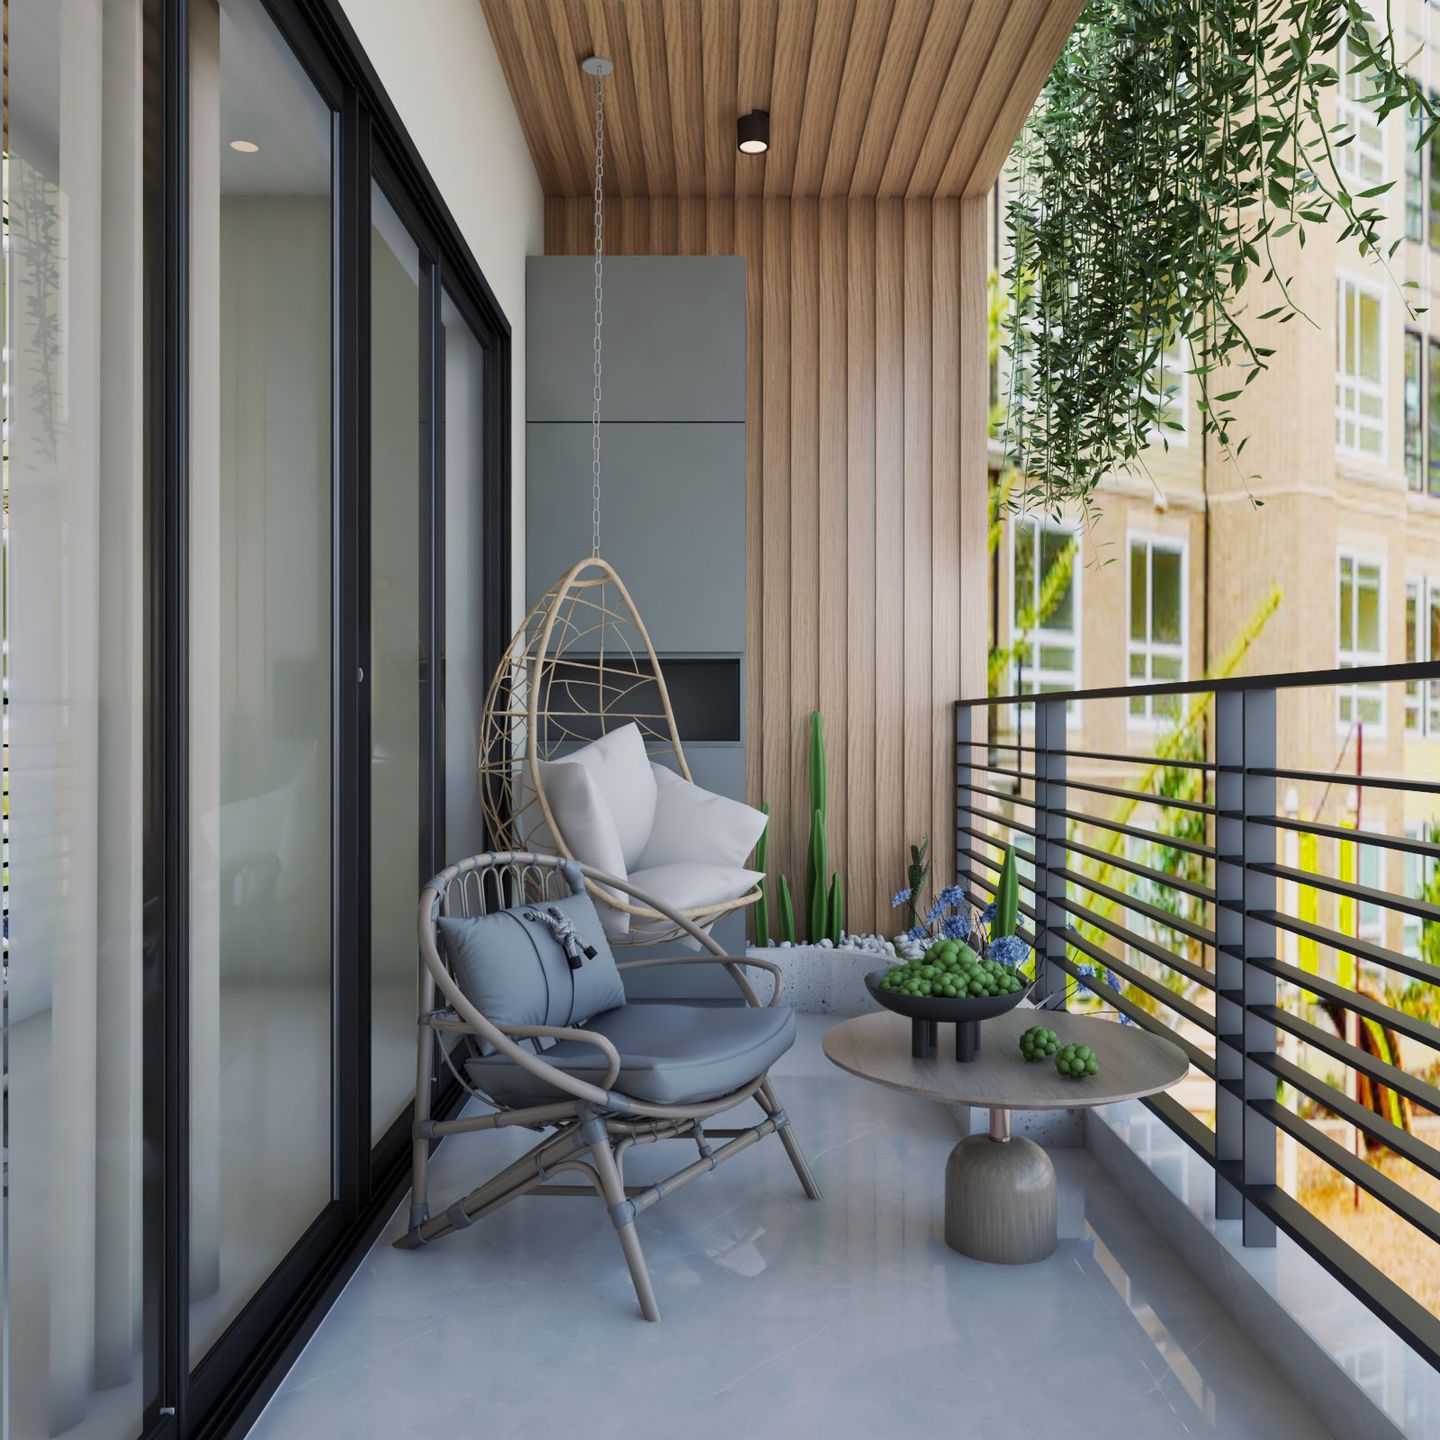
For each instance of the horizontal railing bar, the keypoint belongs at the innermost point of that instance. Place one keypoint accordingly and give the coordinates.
(1149, 762)
(981, 901)
(1387, 900)
(1397, 1020)
(1417, 1152)
(1193, 1131)
(1290, 680)
(1390, 1194)
(1081, 817)
(1341, 832)
(994, 794)
(1395, 1306)
(1151, 948)
(1129, 902)
(1145, 872)
(1351, 945)
(992, 864)
(1140, 797)
(1157, 990)
(1343, 777)
(1142, 1017)
(1000, 745)
(998, 841)
(999, 770)
(1380, 1071)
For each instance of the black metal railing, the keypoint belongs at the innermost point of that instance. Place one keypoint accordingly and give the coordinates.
(1183, 890)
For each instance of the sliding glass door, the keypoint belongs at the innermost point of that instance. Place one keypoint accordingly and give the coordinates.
(253, 578)
(261, 748)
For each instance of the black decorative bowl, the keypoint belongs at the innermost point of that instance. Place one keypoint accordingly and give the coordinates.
(927, 1013)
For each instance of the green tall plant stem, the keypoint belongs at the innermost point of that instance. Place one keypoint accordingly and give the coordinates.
(787, 913)
(1007, 896)
(762, 905)
(815, 861)
(837, 909)
(916, 876)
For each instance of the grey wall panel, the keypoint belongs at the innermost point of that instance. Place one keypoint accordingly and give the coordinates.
(673, 523)
(674, 337)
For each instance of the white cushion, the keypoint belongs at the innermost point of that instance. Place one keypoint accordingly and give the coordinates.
(620, 768)
(585, 822)
(690, 886)
(692, 824)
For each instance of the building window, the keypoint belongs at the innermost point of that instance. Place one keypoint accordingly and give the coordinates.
(1369, 875)
(1045, 609)
(1359, 369)
(1432, 415)
(1361, 638)
(1422, 642)
(1414, 407)
(1155, 649)
(1433, 189)
(1171, 393)
(1419, 877)
(1414, 177)
(1362, 159)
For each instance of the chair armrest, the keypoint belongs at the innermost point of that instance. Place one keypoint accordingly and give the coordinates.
(730, 962)
(440, 1020)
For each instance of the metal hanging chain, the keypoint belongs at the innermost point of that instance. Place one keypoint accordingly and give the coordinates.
(599, 69)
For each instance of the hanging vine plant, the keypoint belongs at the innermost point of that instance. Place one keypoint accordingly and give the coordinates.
(1175, 146)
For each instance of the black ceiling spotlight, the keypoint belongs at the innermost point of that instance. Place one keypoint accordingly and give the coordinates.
(754, 132)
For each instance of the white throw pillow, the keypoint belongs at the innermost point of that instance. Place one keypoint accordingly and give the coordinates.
(620, 768)
(585, 822)
(690, 886)
(697, 825)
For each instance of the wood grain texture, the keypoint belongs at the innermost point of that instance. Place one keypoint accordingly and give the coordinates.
(889, 98)
(866, 395)
(1132, 1062)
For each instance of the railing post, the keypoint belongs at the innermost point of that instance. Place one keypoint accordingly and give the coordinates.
(1050, 918)
(964, 796)
(1244, 1139)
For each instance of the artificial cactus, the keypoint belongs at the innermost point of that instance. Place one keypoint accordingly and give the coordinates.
(1007, 897)
(787, 913)
(762, 905)
(817, 914)
(837, 909)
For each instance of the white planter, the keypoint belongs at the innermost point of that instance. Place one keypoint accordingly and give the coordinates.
(821, 980)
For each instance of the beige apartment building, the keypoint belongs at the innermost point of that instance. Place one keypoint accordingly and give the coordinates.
(1321, 552)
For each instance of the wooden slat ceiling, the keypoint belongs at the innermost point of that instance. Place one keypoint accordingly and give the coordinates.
(911, 98)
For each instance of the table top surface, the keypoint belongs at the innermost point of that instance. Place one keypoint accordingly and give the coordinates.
(1132, 1062)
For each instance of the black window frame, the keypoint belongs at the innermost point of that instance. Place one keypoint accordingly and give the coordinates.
(226, 1390)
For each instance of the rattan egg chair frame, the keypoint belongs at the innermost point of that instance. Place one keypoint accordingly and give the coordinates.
(580, 666)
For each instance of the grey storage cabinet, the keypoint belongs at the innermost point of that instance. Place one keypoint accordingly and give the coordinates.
(673, 479)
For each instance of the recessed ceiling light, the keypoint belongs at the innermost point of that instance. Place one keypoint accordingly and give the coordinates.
(754, 132)
(245, 147)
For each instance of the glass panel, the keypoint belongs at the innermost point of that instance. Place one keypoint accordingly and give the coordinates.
(1053, 545)
(467, 671)
(261, 649)
(1367, 612)
(1370, 338)
(1434, 159)
(1432, 399)
(1024, 569)
(1414, 436)
(73, 668)
(395, 581)
(1166, 599)
(1433, 638)
(1347, 605)
(1139, 627)
(1414, 178)
(1412, 644)
(1165, 667)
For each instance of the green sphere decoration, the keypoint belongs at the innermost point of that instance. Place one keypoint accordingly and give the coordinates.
(1038, 1043)
(951, 970)
(1076, 1061)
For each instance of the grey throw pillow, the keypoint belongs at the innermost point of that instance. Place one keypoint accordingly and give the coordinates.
(542, 964)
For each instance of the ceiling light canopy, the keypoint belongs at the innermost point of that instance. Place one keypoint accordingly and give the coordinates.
(245, 147)
(754, 132)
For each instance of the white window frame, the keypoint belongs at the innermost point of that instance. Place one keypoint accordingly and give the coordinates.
(1348, 659)
(1149, 648)
(1363, 158)
(1174, 371)
(1351, 387)
(1032, 675)
(1422, 697)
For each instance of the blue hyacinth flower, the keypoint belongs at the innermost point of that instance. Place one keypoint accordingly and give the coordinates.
(933, 914)
(900, 898)
(956, 927)
(916, 932)
(987, 915)
(1009, 950)
(1082, 974)
(952, 895)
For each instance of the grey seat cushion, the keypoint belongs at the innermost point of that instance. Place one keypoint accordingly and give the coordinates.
(669, 1054)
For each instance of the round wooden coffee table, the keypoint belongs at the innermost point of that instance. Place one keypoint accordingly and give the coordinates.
(999, 1190)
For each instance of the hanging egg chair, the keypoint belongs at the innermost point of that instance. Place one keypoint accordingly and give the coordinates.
(579, 668)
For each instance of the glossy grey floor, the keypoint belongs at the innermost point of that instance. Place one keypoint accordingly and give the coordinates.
(849, 1317)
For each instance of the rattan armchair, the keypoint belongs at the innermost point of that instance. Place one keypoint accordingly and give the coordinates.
(575, 1083)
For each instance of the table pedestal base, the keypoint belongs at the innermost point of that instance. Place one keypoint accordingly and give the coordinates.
(1000, 1197)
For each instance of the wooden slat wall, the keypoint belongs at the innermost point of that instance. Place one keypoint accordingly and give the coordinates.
(866, 396)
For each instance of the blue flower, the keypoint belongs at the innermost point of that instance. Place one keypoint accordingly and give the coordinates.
(899, 898)
(952, 895)
(1009, 950)
(916, 932)
(934, 912)
(1082, 974)
(987, 915)
(1125, 1019)
(1111, 978)
(956, 927)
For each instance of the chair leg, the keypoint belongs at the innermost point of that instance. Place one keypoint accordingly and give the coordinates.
(612, 1188)
(786, 1132)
